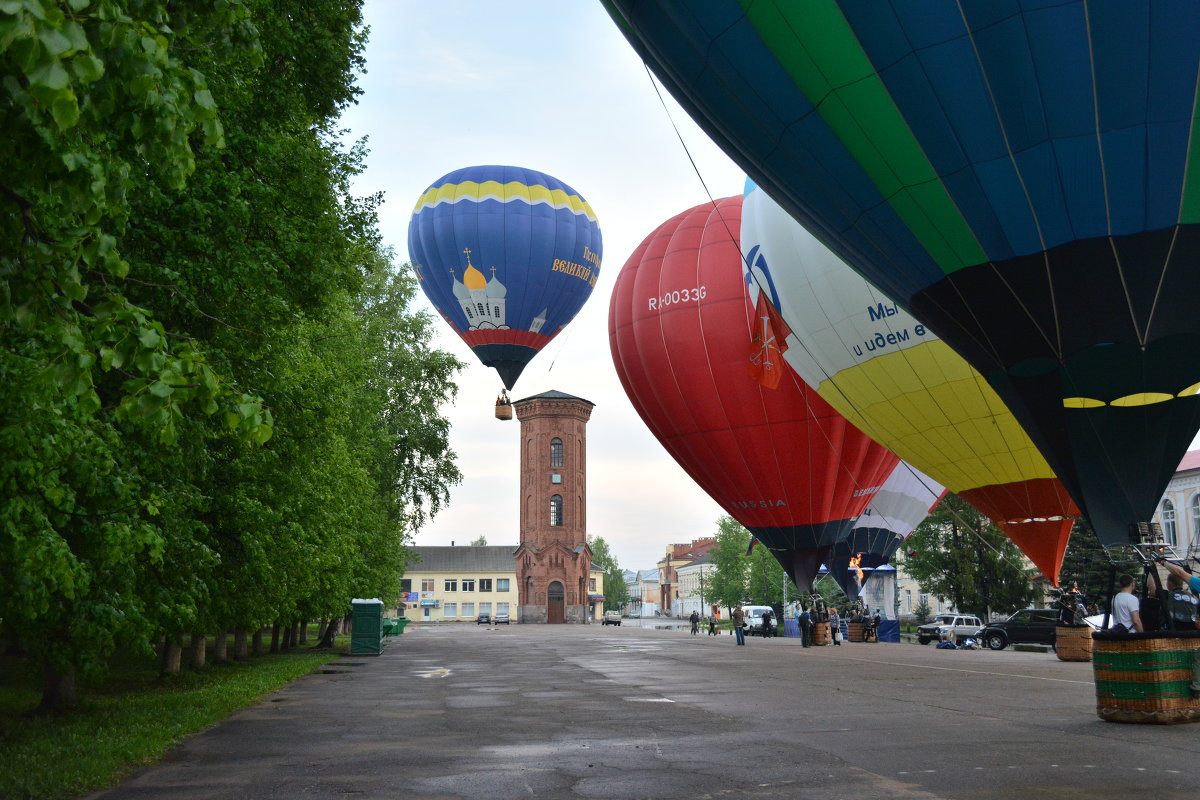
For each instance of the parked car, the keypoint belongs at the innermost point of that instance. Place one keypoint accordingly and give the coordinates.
(1027, 626)
(611, 618)
(754, 616)
(483, 619)
(500, 618)
(949, 626)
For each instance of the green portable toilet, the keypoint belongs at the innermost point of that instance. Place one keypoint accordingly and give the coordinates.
(366, 638)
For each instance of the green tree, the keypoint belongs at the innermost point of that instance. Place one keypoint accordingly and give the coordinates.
(616, 591)
(1087, 564)
(727, 582)
(964, 558)
(183, 242)
(765, 578)
(480, 542)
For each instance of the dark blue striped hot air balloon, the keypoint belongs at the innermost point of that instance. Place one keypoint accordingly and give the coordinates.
(1022, 176)
(508, 256)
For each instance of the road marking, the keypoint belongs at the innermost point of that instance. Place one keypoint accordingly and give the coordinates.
(972, 671)
(648, 700)
(440, 672)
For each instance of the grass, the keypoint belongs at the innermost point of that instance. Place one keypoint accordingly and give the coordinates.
(128, 720)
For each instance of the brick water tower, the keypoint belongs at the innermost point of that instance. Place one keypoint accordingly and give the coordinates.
(553, 559)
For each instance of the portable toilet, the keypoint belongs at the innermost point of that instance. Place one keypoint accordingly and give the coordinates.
(366, 637)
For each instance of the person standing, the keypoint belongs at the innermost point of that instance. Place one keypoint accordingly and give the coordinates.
(695, 620)
(835, 627)
(1126, 616)
(805, 620)
(739, 620)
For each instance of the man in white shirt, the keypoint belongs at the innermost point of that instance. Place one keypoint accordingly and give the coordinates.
(1126, 616)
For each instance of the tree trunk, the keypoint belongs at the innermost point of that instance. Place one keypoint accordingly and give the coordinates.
(295, 634)
(328, 634)
(171, 654)
(257, 647)
(240, 651)
(322, 624)
(275, 638)
(199, 646)
(58, 688)
(303, 631)
(220, 651)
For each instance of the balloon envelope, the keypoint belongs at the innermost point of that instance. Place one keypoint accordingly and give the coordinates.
(900, 384)
(508, 256)
(780, 461)
(1021, 176)
(900, 505)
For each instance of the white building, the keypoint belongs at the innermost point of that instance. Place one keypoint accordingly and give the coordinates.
(1179, 510)
(692, 580)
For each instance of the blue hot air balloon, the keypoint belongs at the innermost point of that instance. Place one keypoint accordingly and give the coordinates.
(1023, 177)
(508, 256)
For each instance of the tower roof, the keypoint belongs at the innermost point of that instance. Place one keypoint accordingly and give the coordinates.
(554, 394)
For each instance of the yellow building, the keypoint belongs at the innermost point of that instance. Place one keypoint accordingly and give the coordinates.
(457, 584)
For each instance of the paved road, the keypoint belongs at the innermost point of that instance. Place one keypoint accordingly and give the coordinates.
(605, 712)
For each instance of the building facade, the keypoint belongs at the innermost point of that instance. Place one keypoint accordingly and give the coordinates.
(1179, 510)
(553, 560)
(457, 584)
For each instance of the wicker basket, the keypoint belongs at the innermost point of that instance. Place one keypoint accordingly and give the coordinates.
(854, 631)
(1073, 643)
(1145, 677)
(821, 634)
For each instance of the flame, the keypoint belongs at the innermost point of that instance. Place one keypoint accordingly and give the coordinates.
(854, 562)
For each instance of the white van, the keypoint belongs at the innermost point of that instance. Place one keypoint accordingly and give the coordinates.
(754, 618)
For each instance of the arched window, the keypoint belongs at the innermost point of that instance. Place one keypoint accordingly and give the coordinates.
(556, 455)
(1195, 531)
(556, 518)
(482, 310)
(1168, 522)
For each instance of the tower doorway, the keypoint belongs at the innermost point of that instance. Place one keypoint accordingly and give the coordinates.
(556, 609)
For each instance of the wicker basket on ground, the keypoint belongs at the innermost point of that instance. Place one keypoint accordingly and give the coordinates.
(821, 635)
(1146, 677)
(1073, 643)
(854, 631)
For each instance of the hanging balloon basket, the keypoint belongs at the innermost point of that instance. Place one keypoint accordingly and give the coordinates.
(503, 411)
(1148, 678)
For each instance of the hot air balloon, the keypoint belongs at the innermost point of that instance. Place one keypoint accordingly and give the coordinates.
(1022, 177)
(780, 461)
(900, 505)
(508, 256)
(903, 386)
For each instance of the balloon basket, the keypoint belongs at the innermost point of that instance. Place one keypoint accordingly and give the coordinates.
(1073, 643)
(504, 411)
(821, 635)
(1147, 678)
(854, 631)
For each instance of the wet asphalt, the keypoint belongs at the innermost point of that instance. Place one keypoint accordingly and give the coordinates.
(523, 711)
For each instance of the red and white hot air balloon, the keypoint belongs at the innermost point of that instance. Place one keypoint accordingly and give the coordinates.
(685, 340)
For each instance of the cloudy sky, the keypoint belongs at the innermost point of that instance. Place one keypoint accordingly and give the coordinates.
(552, 86)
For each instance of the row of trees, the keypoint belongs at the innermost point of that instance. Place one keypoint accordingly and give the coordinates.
(216, 409)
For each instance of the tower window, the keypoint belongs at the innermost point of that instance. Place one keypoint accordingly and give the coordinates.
(556, 515)
(482, 310)
(556, 452)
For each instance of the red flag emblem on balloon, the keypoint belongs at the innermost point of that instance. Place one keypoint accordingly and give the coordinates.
(768, 343)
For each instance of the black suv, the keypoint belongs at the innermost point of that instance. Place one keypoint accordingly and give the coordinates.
(1027, 626)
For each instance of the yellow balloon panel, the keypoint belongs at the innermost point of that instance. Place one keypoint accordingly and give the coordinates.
(929, 407)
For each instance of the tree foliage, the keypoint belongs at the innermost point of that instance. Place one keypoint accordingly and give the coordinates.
(727, 582)
(216, 409)
(616, 591)
(962, 557)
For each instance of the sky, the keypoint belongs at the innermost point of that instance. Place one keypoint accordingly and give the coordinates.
(551, 86)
